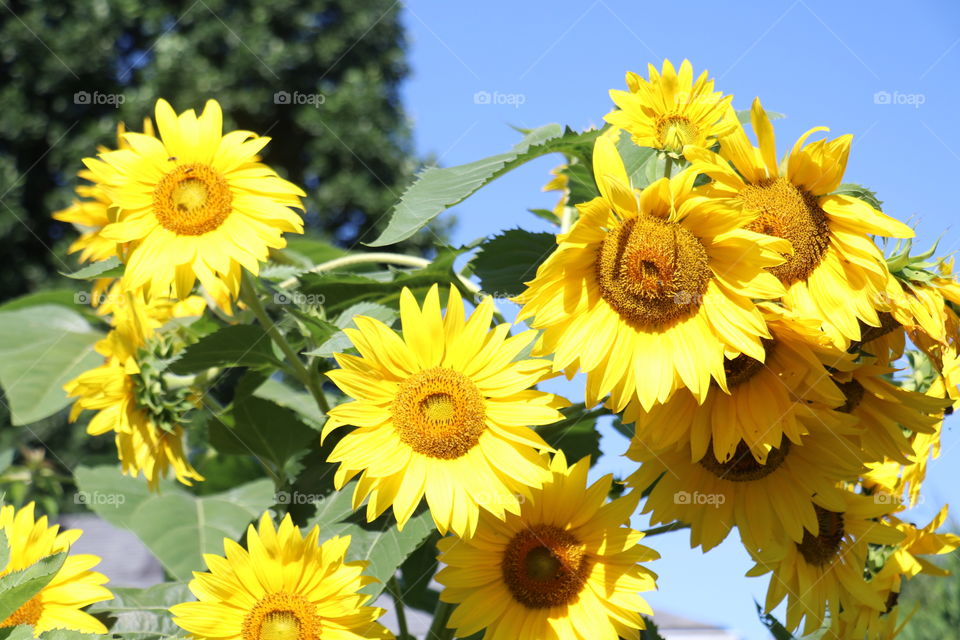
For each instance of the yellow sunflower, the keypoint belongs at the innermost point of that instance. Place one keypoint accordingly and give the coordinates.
(196, 204)
(59, 604)
(825, 572)
(765, 400)
(443, 412)
(769, 501)
(670, 110)
(283, 586)
(836, 273)
(564, 568)
(649, 291)
(902, 564)
(148, 436)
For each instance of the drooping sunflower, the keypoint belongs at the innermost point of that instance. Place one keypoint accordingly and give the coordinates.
(825, 571)
(443, 412)
(196, 204)
(774, 500)
(670, 110)
(566, 567)
(649, 291)
(283, 586)
(58, 605)
(835, 273)
(131, 401)
(764, 402)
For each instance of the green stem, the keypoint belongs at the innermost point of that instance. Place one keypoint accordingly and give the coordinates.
(667, 528)
(439, 629)
(394, 590)
(362, 258)
(248, 293)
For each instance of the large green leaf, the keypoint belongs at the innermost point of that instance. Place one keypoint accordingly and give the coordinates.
(19, 632)
(4, 550)
(142, 614)
(232, 346)
(436, 189)
(175, 525)
(17, 587)
(299, 401)
(339, 341)
(506, 261)
(860, 192)
(41, 349)
(576, 434)
(644, 165)
(109, 268)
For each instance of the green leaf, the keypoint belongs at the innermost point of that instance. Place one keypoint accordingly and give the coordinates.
(436, 190)
(576, 434)
(17, 587)
(644, 165)
(142, 614)
(299, 401)
(312, 251)
(4, 550)
(65, 634)
(175, 525)
(650, 632)
(109, 268)
(743, 115)
(860, 192)
(506, 261)
(41, 349)
(339, 341)
(64, 297)
(238, 345)
(580, 182)
(777, 630)
(273, 434)
(19, 632)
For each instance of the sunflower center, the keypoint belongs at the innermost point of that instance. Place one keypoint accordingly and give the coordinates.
(820, 549)
(545, 566)
(853, 391)
(652, 273)
(282, 616)
(191, 200)
(675, 131)
(28, 613)
(794, 214)
(440, 413)
(742, 466)
(742, 368)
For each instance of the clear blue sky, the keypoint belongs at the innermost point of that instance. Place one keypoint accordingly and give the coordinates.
(821, 63)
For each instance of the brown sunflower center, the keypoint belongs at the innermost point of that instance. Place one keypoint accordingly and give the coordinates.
(675, 131)
(853, 391)
(742, 368)
(651, 272)
(282, 616)
(440, 413)
(742, 466)
(545, 566)
(790, 213)
(820, 549)
(28, 613)
(191, 200)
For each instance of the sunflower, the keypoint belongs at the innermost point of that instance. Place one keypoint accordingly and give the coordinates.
(670, 111)
(825, 571)
(443, 412)
(903, 563)
(889, 414)
(648, 291)
(196, 204)
(564, 568)
(58, 605)
(764, 400)
(132, 401)
(283, 586)
(836, 273)
(769, 501)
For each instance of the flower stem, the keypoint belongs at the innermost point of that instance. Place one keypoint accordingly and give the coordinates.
(439, 629)
(248, 293)
(394, 589)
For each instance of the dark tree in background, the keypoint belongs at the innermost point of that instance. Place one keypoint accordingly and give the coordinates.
(320, 77)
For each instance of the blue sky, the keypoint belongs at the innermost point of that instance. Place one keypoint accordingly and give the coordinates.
(882, 71)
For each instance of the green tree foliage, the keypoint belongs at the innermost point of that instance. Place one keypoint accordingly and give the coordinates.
(320, 77)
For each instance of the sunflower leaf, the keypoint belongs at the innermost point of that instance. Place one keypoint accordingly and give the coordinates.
(142, 614)
(42, 348)
(4, 551)
(777, 630)
(238, 345)
(576, 435)
(109, 268)
(861, 193)
(177, 526)
(17, 587)
(508, 260)
(19, 632)
(436, 189)
(339, 341)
